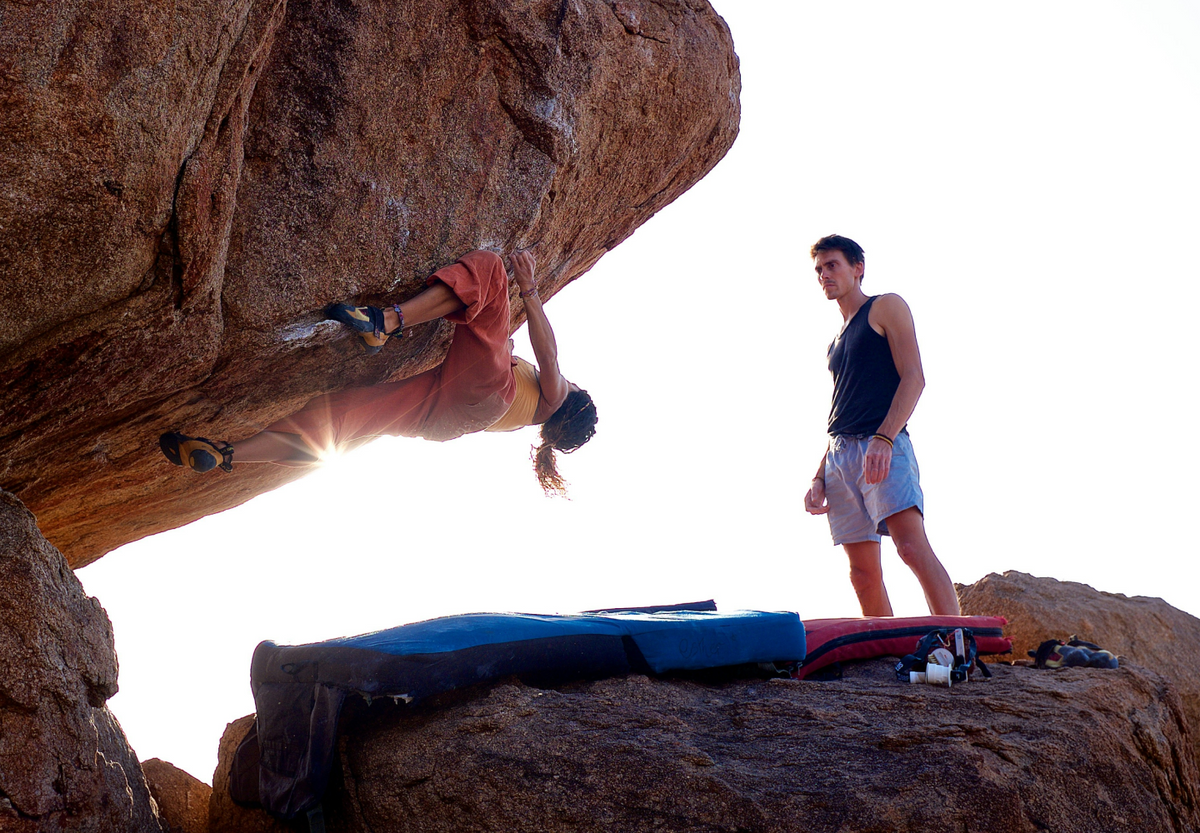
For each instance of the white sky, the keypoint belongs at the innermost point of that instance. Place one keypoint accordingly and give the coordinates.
(1024, 174)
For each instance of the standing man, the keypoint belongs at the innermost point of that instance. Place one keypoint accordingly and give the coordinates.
(868, 482)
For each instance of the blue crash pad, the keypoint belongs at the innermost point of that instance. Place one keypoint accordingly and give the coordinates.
(284, 764)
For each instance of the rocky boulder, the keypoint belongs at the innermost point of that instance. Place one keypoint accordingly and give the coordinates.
(1074, 750)
(189, 184)
(182, 799)
(64, 762)
(225, 816)
(1143, 630)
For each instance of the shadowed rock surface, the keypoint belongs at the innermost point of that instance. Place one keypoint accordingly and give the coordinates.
(181, 798)
(1144, 630)
(64, 761)
(189, 184)
(1074, 751)
(225, 816)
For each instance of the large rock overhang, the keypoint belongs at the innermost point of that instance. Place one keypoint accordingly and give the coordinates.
(187, 186)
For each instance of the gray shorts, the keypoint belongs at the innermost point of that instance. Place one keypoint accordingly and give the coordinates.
(857, 511)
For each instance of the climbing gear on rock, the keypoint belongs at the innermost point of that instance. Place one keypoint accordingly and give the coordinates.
(368, 323)
(1074, 653)
(197, 453)
(942, 657)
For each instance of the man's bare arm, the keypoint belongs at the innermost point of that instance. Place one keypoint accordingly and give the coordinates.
(814, 498)
(895, 319)
(541, 337)
(891, 316)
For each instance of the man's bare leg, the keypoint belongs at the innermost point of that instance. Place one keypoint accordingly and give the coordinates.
(907, 529)
(280, 447)
(437, 301)
(274, 447)
(866, 575)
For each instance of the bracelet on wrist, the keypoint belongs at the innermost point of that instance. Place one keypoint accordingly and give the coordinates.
(883, 437)
(532, 293)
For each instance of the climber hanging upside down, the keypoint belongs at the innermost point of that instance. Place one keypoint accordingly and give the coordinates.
(480, 386)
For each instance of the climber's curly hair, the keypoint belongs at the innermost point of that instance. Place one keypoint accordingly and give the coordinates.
(567, 429)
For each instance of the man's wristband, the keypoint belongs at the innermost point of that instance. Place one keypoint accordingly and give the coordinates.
(532, 293)
(883, 437)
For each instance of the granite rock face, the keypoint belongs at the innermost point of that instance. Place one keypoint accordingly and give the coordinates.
(189, 184)
(182, 799)
(64, 762)
(1074, 751)
(1143, 630)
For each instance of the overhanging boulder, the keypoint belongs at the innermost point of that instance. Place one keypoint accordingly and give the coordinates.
(187, 186)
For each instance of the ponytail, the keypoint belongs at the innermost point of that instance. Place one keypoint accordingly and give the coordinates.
(567, 430)
(546, 466)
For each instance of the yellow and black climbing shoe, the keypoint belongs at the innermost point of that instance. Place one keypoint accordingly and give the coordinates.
(368, 323)
(197, 453)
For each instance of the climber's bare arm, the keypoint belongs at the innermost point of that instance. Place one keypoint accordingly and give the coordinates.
(541, 336)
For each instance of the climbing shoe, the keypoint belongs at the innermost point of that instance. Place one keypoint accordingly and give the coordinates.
(197, 453)
(368, 323)
(1075, 653)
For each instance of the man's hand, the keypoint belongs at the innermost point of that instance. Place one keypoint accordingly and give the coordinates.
(523, 264)
(877, 462)
(814, 501)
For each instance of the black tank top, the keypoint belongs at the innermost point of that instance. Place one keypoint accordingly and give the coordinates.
(864, 376)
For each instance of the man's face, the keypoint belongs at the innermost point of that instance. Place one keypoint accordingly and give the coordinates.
(835, 274)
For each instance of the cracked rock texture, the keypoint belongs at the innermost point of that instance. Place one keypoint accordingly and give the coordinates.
(186, 185)
(1074, 751)
(65, 764)
(1144, 630)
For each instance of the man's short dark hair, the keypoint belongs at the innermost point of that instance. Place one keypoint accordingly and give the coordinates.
(835, 242)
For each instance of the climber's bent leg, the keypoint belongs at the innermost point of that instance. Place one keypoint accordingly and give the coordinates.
(275, 447)
(437, 301)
